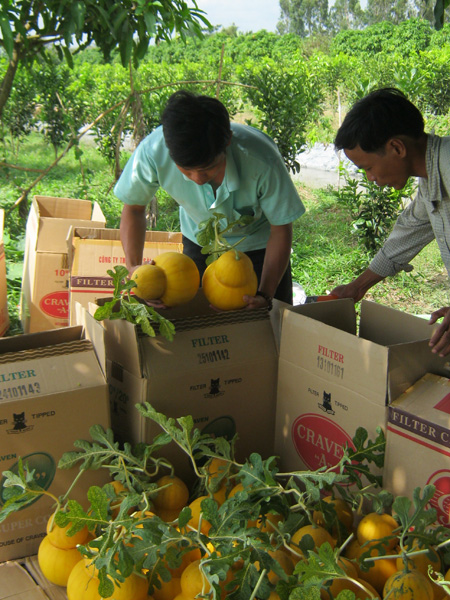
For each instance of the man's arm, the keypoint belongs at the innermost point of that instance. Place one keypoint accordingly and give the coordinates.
(133, 225)
(276, 260)
(357, 288)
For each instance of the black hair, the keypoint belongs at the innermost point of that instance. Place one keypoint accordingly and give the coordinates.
(196, 128)
(378, 117)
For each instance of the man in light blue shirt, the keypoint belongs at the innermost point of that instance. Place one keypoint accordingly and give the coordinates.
(211, 166)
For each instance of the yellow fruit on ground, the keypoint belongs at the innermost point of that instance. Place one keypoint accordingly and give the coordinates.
(420, 562)
(285, 562)
(196, 511)
(173, 494)
(168, 515)
(339, 585)
(59, 538)
(269, 522)
(408, 585)
(319, 535)
(379, 573)
(344, 513)
(182, 277)
(228, 279)
(187, 558)
(348, 566)
(56, 563)
(168, 590)
(150, 281)
(82, 585)
(193, 581)
(375, 526)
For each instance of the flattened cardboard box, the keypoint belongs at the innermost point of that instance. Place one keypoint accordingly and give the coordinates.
(332, 381)
(221, 368)
(4, 317)
(44, 300)
(92, 252)
(52, 390)
(418, 442)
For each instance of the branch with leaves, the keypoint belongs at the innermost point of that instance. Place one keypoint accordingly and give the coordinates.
(126, 306)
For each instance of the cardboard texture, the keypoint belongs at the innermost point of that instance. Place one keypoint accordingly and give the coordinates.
(221, 368)
(332, 381)
(4, 317)
(52, 390)
(92, 252)
(44, 300)
(418, 442)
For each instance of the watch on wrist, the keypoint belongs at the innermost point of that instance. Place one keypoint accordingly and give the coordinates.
(267, 298)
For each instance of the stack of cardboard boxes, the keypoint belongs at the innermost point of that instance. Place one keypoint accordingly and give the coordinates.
(297, 383)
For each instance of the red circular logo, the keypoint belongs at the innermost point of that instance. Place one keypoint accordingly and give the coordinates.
(55, 304)
(441, 499)
(319, 441)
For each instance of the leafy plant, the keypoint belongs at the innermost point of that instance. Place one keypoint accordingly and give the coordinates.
(212, 232)
(125, 306)
(128, 540)
(373, 209)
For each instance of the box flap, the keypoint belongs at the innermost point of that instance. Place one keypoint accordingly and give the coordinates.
(122, 346)
(56, 216)
(14, 580)
(48, 370)
(336, 313)
(335, 355)
(387, 326)
(408, 362)
(94, 332)
(29, 341)
(428, 402)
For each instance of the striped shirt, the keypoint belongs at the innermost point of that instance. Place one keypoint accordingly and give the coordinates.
(426, 218)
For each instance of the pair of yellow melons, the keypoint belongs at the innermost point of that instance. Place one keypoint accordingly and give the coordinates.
(174, 279)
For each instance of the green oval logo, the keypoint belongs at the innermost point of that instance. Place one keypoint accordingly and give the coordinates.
(44, 468)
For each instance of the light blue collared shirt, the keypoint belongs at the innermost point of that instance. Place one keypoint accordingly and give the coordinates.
(256, 183)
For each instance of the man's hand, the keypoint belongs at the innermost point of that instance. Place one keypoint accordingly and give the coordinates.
(255, 302)
(440, 340)
(357, 288)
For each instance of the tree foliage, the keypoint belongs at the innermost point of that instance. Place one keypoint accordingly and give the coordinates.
(28, 28)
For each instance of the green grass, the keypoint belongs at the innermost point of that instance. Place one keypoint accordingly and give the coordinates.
(325, 253)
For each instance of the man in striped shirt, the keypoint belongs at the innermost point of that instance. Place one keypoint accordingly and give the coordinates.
(384, 135)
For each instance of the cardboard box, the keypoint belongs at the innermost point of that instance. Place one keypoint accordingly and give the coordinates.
(332, 381)
(221, 368)
(92, 252)
(418, 442)
(52, 390)
(4, 317)
(45, 285)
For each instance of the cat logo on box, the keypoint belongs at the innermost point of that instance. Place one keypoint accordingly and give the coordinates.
(326, 404)
(214, 389)
(20, 424)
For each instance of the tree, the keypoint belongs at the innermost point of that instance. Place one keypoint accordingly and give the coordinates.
(394, 11)
(346, 14)
(29, 27)
(303, 17)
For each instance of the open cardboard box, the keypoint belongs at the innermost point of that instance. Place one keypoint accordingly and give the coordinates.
(92, 252)
(418, 442)
(44, 300)
(221, 368)
(52, 389)
(332, 380)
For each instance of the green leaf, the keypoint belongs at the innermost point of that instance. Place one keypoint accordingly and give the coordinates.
(8, 36)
